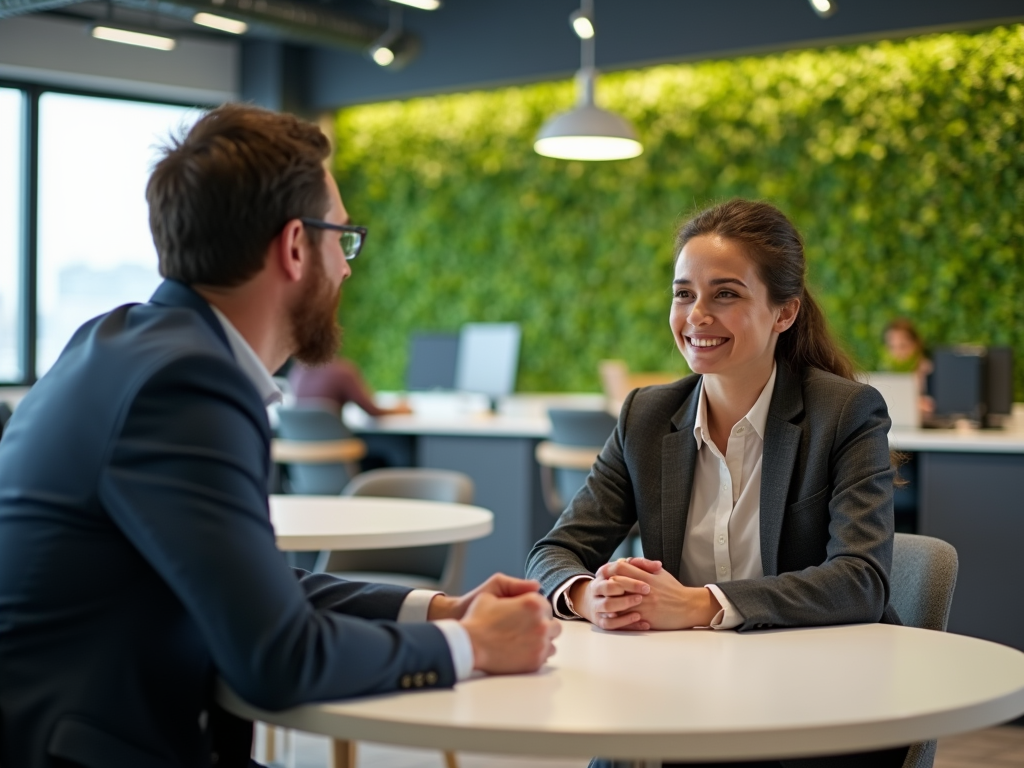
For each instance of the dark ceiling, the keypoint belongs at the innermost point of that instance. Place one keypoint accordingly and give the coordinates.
(469, 44)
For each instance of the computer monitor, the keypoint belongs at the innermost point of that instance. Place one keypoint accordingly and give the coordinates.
(973, 382)
(488, 358)
(999, 386)
(900, 392)
(432, 360)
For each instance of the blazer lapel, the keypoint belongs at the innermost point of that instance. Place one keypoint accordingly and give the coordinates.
(781, 443)
(679, 456)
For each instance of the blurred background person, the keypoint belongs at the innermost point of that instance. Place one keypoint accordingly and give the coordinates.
(338, 381)
(905, 353)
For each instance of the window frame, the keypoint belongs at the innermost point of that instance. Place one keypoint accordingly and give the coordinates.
(28, 288)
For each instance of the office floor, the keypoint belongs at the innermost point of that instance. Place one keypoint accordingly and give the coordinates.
(993, 748)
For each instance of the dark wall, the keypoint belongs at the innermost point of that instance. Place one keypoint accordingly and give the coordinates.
(470, 44)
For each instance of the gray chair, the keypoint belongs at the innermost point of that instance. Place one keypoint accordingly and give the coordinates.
(436, 567)
(922, 581)
(921, 590)
(577, 437)
(319, 451)
(5, 416)
(433, 567)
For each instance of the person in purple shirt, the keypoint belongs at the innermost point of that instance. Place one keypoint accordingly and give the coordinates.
(339, 381)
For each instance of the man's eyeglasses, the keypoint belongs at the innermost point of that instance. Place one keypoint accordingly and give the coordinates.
(352, 238)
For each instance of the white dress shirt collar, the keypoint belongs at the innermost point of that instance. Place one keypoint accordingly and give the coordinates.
(756, 418)
(249, 362)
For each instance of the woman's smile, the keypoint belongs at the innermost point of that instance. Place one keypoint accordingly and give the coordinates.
(721, 317)
(706, 342)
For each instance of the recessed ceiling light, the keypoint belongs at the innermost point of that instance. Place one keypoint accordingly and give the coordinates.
(582, 24)
(824, 8)
(132, 37)
(382, 55)
(223, 23)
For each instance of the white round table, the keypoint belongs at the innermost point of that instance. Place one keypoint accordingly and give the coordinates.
(700, 695)
(303, 523)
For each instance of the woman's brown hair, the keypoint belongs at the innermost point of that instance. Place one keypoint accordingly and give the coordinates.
(777, 249)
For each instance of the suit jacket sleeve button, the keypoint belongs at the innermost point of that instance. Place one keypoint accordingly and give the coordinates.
(406, 681)
(417, 680)
(431, 678)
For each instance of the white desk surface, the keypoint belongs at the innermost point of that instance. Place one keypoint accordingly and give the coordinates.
(463, 425)
(525, 415)
(466, 414)
(700, 695)
(303, 523)
(966, 441)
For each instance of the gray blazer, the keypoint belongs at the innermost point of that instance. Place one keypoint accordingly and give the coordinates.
(826, 500)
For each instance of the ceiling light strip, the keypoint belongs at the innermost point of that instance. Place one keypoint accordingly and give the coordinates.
(222, 23)
(129, 37)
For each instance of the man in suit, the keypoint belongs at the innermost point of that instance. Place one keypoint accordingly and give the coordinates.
(137, 558)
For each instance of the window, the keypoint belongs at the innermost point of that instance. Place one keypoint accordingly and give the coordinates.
(95, 251)
(11, 213)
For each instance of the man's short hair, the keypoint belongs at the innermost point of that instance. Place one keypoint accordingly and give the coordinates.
(223, 192)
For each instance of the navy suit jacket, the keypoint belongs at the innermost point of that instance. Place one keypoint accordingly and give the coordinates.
(138, 563)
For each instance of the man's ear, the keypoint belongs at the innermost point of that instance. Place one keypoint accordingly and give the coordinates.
(290, 251)
(787, 315)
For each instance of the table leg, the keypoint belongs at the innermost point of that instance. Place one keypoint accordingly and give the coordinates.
(343, 754)
(269, 743)
(450, 761)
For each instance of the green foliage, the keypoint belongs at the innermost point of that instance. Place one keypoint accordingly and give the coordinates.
(900, 162)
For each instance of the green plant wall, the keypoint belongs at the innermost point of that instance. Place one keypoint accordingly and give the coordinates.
(900, 162)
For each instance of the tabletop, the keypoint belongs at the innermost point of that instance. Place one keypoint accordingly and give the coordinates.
(303, 523)
(700, 695)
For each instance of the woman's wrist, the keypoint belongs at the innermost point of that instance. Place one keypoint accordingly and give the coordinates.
(575, 597)
(711, 608)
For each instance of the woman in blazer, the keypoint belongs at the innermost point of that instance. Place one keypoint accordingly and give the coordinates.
(762, 484)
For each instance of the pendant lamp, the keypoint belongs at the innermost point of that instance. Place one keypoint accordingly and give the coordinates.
(587, 132)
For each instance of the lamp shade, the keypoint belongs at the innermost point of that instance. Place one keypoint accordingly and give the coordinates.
(587, 132)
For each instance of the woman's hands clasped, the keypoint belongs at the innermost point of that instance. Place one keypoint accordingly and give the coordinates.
(638, 594)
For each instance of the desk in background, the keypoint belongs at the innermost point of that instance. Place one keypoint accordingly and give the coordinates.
(971, 494)
(303, 523)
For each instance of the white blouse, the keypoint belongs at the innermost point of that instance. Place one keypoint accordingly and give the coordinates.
(722, 541)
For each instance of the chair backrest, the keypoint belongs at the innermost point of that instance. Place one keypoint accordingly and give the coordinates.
(569, 427)
(579, 427)
(312, 423)
(425, 484)
(614, 379)
(922, 580)
(5, 416)
(435, 562)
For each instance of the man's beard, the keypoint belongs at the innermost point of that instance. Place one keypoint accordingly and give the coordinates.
(314, 317)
